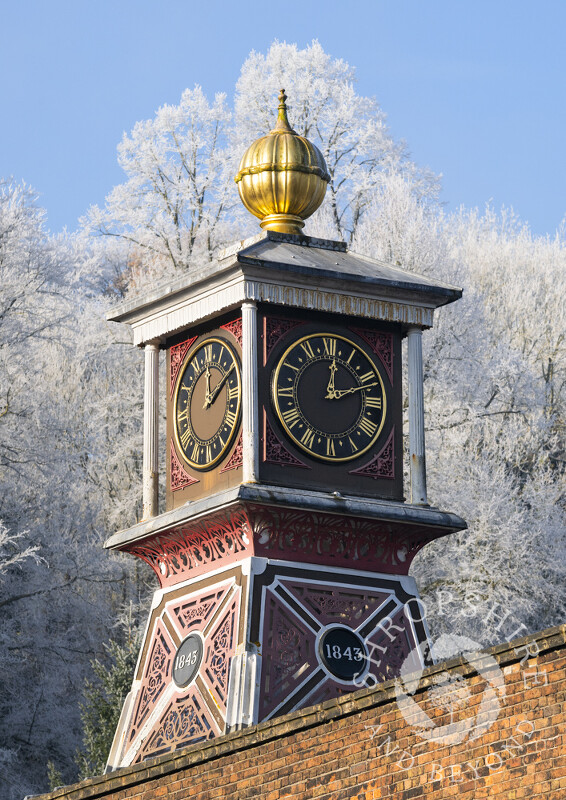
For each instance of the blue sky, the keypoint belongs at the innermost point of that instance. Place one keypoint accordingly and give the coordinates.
(476, 89)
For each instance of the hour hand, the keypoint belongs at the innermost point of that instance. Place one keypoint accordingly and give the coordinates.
(208, 394)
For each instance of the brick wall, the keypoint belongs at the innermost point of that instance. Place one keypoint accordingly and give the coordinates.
(490, 727)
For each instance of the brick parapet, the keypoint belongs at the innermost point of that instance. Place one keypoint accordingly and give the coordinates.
(340, 749)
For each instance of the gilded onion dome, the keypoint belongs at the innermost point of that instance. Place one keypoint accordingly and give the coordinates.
(282, 177)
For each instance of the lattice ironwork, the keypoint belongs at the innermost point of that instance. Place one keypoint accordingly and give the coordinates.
(331, 604)
(177, 354)
(236, 460)
(382, 345)
(334, 540)
(274, 328)
(274, 451)
(389, 648)
(155, 677)
(185, 721)
(220, 647)
(191, 550)
(288, 656)
(197, 610)
(295, 608)
(180, 478)
(235, 328)
(383, 464)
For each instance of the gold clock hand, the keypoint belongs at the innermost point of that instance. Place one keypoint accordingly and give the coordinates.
(338, 393)
(330, 390)
(216, 391)
(208, 395)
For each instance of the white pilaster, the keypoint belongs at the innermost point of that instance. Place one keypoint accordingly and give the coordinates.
(250, 424)
(416, 417)
(151, 431)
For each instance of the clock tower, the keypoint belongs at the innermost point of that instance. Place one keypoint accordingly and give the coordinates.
(284, 549)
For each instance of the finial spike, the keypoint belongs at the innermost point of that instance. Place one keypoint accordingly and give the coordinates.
(282, 123)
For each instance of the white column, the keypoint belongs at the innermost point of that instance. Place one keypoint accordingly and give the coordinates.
(250, 432)
(151, 431)
(416, 417)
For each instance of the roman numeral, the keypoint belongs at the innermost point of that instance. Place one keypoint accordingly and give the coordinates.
(329, 346)
(353, 446)
(183, 416)
(233, 392)
(230, 418)
(330, 449)
(367, 377)
(208, 453)
(185, 437)
(367, 426)
(309, 352)
(291, 366)
(285, 391)
(208, 352)
(195, 454)
(308, 438)
(373, 402)
(291, 417)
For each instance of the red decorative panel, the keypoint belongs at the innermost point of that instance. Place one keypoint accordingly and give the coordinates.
(330, 604)
(235, 328)
(273, 330)
(274, 451)
(382, 465)
(288, 654)
(184, 552)
(382, 345)
(220, 647)
(155, 677)
(237, 458)
(334, 540)
(186, 721)
(179, 476)
(389, 647)
(178, 353)
(196, 611)
(327, 690)
(298, 609)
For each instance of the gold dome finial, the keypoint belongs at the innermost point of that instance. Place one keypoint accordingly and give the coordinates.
(282, 177)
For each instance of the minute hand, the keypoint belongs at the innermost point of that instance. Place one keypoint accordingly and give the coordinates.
(216, 391)
(336, 394)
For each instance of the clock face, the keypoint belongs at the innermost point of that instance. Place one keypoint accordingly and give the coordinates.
(329, 397)
(207, 403)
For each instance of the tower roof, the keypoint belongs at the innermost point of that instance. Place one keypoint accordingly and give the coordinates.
(291, 270)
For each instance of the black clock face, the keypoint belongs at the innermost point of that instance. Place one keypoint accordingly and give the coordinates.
(207, 403)
(329, 397)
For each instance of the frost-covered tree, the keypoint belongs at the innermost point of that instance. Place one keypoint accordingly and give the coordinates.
(69, 474)
(175, 204)
(104, 697)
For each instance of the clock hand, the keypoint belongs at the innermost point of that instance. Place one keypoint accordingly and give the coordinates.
(330, 390)
(216, 391)
(338, 393)
(208, 395)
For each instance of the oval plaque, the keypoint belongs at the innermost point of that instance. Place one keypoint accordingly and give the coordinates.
(343, 653)
(187, 660)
